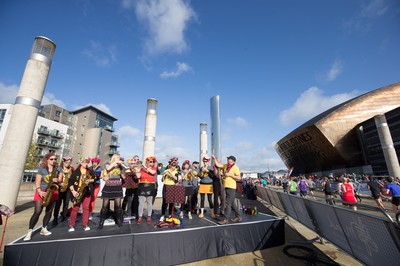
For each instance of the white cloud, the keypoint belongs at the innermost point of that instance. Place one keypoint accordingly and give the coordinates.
(49, 98)
(100, 106)
(169, 146)
(250, 158)
(180, 69)
(238, 121)
(368, 13)
(129, 132)
(243, 146)
(311, 103)
(165, 21)
(8, 93)
(102, 57)
(128, 4)
(131, 141)
(335, 70)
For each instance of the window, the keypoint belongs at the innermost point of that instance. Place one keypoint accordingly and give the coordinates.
(58, 114)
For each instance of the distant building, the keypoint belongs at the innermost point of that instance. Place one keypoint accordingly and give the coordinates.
(49, 135)
(344, 138)
(93, 134)
(84, 132)
(5, 114)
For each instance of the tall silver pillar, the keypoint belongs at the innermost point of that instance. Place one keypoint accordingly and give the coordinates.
(386, 140)
(215, 127)
(150, 129)
(203, 142)
(23, 118)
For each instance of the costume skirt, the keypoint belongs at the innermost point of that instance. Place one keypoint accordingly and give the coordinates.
(111, 192)
(36, 197)
(147, 189)
(206, 189)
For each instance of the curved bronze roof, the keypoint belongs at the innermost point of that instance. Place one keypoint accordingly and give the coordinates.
(328, 139)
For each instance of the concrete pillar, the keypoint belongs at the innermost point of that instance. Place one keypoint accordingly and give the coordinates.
(386, 140)
(91, 143)
(23, 118)
(150, 129)
(215, 127)
(203, 142)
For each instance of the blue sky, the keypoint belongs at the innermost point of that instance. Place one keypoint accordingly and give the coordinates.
(274, 64)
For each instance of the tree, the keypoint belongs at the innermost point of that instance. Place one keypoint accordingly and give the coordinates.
(32, 160)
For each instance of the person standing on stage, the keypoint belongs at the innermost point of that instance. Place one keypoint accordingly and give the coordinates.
(147, 187)
(206, 176)
(195, 183)
(48, 173)
(170, 178)
(64, 195)
(112, 175)
(131, 183)
(231, 174)
(213, 172)
(348, 198)
(96, 168)
(187, 182)
(81, 186)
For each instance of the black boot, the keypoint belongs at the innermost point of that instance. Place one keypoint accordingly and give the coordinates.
(120, 217)
(103, 215)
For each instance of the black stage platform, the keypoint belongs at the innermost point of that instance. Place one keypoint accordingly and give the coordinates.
(143, 244)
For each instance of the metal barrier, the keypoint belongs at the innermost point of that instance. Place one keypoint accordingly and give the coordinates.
(370, 239)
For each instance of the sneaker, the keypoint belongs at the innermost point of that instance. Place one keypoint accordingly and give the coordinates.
(213, 215)
(71, 229)
(149, 220)
(201, 215)
(91, 217)
(28, 235)
(45, 232)
(139, 221)
(181, 215)
(162, 218)
(86, 228)
(190, 216)
(223, 222)
(236, 219)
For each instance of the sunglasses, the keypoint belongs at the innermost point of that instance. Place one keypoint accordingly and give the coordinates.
(53, 159)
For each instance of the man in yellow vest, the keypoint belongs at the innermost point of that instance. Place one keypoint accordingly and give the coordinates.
(230, 174)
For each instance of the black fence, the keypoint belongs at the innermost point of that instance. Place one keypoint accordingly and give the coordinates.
(370, 239)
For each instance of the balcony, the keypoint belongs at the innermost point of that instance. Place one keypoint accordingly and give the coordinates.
(56, 134)
(42, 142)
(43, 131)
(112, 152)
(54, 145)
(114, 144)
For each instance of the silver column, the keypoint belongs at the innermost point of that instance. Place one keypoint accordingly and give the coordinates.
(215, 127)
(150, 129)
(203, 142)
(386, 140)
(23, 118)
